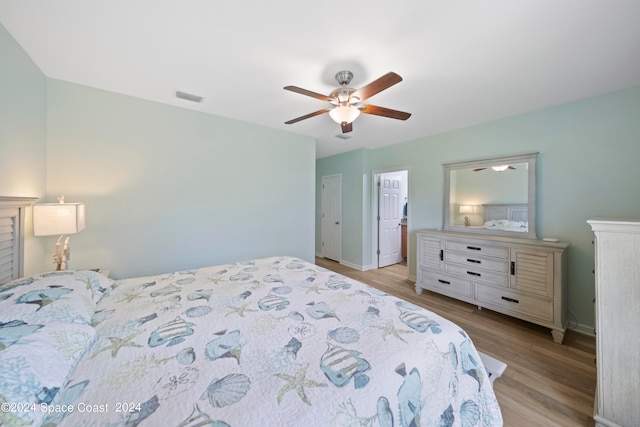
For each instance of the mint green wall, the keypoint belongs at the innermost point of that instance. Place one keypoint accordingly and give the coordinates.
(23, 139)
(587, 167)
(167, 188)
(354, 167)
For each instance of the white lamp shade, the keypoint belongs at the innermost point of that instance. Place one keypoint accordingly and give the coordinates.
(466, 209)
(51, 219)
(344, 114)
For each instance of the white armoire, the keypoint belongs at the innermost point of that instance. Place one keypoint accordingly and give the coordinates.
(617, 305)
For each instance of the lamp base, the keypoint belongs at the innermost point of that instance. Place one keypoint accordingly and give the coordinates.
(62, 253)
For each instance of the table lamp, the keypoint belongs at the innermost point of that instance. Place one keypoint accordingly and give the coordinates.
(61, 218)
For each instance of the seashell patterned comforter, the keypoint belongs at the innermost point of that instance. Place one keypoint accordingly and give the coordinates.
(271, 342)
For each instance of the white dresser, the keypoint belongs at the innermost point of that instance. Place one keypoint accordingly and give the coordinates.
(520, 277)
(617, 254)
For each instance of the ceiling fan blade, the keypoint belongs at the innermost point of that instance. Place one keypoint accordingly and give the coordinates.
(346, 127)
(312, 94)
(511, 167)
(478, 169)
(377, 86)
(385, 112)
(307, 116)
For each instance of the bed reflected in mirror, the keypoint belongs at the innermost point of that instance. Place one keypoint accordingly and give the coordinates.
(491, 196)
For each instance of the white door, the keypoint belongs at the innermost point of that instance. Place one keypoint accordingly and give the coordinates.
(390, 213)
(332, 217)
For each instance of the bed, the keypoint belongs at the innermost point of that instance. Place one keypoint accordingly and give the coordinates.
(506, 217)
(272, 341)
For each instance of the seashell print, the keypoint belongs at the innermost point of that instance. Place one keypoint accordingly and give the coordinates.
(294, 315)
(344, 335)
(199, 311)
(239, 277)
(186, 281)
(321, 310)
(271, 278)
(204, 294)
(294, 265)
(186, 356)
(470, 413)
(227, 391)
(250, 269)
(282, 290)
(175, 298)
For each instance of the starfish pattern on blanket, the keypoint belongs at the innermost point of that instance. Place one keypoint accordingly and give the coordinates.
(297, 382)
(117, 343)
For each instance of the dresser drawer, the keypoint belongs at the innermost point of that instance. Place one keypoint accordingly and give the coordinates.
(473, 273)
(472, 247)
(537, 307)
(443, 282)
(477, 261)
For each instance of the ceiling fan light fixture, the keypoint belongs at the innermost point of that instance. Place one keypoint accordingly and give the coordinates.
(344, 114)
(500, 168)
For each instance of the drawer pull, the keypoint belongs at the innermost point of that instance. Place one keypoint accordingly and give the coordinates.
(475, 261)
(472, 273)
(444, 282)
(510, 299)
(474, 248)
(441, 255)
(513, 268)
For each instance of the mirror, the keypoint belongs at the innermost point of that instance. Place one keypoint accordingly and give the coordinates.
(492, 196)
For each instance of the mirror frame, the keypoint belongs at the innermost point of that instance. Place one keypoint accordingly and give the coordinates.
(529, 158)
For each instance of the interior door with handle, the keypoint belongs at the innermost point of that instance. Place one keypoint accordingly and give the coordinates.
(332, 217)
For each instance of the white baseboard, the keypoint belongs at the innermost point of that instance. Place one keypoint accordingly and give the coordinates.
(583, 329)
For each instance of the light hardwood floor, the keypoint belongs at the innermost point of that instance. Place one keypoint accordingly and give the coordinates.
(545, 384)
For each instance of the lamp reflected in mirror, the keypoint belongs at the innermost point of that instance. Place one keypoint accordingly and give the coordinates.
(467, 209)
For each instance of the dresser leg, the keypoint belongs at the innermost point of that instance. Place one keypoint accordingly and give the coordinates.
(558, 336)
(418, 290)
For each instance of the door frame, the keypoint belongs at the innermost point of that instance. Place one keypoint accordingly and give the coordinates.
(375, 176)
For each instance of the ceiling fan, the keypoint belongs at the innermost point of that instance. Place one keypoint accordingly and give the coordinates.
(497, 168)
(345, 101)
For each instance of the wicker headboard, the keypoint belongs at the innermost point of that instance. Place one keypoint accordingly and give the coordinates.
(12, 210)
(510, 212)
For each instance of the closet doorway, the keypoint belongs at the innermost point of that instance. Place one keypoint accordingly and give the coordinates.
(390, 221)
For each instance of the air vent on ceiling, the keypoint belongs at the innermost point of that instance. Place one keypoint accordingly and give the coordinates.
(189, 97)
(343, 136)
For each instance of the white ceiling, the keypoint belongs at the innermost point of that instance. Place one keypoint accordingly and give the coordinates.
(463, 62)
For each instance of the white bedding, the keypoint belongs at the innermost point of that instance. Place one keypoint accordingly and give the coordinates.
(275, 341)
